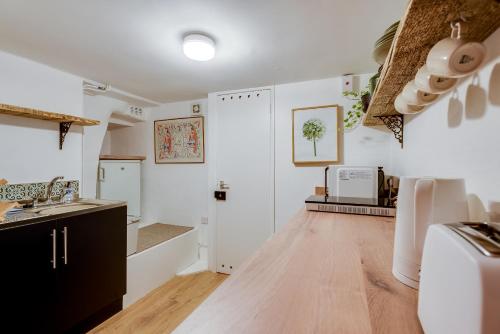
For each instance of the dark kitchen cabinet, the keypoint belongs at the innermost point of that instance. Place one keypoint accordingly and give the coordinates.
(28, 278)
(85, 287)
(95, 264)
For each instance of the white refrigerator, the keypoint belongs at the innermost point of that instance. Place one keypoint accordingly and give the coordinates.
(121, 180)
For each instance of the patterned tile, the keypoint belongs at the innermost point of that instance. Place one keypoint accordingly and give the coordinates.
(21, 191)
(36, 189)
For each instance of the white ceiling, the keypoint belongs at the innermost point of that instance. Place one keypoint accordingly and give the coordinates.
(135, 45)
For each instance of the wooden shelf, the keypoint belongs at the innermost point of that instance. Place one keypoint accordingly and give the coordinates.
(121, 157)
(423, 25)
(65, 121)
(8, 109)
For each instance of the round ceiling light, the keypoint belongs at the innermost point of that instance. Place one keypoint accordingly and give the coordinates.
(198, 47)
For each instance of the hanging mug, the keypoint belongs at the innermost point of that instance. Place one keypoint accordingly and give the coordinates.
(454, 57)
(403, 107)
(415, 96)
(427, 82)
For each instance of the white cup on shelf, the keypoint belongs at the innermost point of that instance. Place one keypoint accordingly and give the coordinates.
(430, 83)
(415, 96)
(454, 57)
(403, 107)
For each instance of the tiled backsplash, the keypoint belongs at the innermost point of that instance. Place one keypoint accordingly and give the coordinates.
(21, 191)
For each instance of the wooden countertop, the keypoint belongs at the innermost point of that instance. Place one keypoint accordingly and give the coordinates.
(323, 273)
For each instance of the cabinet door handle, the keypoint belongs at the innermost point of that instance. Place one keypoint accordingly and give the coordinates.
(54, 249)
(102, 174)
(65, 233)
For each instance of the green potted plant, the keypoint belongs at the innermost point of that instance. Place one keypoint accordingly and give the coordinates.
(362, 100)
(355, 113)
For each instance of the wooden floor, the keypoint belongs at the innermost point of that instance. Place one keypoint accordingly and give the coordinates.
(162, 310)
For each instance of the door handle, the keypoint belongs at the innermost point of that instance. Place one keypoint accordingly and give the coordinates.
(54, 249)
(101, 174)
(65, 245)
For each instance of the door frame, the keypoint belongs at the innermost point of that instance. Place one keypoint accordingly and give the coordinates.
(211, 155)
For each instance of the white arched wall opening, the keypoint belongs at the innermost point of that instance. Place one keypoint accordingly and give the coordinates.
(100, 108)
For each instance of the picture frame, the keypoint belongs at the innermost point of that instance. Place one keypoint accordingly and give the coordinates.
(316, 135)
(179, 140)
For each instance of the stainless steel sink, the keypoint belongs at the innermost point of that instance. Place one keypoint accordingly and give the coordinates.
(47, 209)
(64, 208)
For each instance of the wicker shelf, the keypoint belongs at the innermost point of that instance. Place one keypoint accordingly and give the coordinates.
(423, 25)
(65, 121)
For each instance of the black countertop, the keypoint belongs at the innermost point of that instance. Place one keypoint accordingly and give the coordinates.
(31, 216)
(355, 201)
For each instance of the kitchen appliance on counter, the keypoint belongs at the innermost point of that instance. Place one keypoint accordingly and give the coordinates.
(355, 191)
(121, 180)
(423, 202)
(351, 205)
(353, 181)
(459, 287)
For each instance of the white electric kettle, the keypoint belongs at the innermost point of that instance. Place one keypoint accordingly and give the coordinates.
(423, 201)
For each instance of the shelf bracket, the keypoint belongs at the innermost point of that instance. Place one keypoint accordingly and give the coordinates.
(63, 130)
(395, 123)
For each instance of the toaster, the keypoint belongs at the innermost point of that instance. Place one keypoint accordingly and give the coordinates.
(460, 279)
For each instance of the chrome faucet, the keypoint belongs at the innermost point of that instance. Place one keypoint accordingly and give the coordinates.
(51, 185)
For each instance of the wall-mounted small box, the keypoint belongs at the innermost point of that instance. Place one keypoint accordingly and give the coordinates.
(196, 109)
(347, 83)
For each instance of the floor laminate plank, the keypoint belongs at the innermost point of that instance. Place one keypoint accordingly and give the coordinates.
(164, 308)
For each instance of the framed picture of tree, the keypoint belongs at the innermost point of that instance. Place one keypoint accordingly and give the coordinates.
(315, 135)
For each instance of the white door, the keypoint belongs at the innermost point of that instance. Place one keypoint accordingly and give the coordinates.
(245, 163)
(121, 180)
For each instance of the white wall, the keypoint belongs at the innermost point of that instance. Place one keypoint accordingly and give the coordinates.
(178, 194)
(171, 193)
(100, 108)
(459, 136)
(30, 148)
(362, 146)
(106, 143)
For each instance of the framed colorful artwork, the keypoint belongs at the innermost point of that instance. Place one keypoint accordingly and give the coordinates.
(315, 135)
(179, 140)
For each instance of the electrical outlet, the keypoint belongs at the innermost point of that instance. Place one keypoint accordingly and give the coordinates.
(204, 220)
